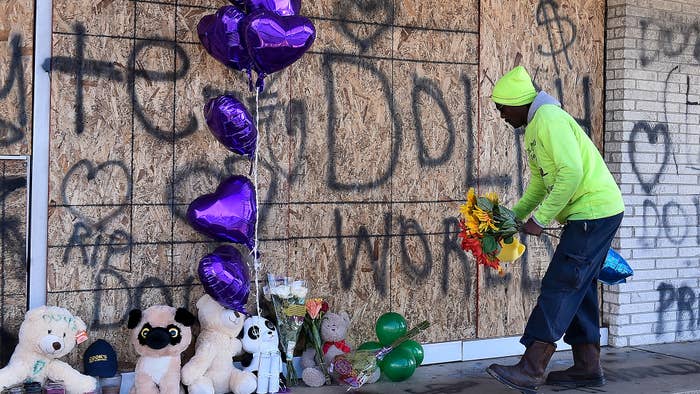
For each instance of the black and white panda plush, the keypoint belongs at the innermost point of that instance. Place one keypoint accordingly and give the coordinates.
(260, 339)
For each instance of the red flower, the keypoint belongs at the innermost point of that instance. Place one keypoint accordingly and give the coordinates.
(472, 243)
(324, 307)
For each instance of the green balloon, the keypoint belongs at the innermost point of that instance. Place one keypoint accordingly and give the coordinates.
(390, 326)
(415, 348)
(398, 365)
(371, 345)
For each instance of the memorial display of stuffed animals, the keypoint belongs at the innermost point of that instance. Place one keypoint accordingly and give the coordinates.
(159, 335)
(211, 369)
(334, 330)
(47, 334)
(261, 340)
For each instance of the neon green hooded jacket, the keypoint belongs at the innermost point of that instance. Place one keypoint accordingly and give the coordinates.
(569, 179)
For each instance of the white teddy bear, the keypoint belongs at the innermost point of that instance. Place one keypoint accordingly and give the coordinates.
(46, 334)
(211, 369)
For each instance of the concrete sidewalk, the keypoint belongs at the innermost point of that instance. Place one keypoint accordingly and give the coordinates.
(668, 368)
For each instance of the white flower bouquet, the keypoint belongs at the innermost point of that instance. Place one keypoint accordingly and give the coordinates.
(289, 302)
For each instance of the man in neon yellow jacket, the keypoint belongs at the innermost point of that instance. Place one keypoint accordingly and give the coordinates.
(569, 182)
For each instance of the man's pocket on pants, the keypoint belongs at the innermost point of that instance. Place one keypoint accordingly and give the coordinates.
(566, 273)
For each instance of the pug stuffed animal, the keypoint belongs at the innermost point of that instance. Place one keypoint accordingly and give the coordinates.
(159, 335)
(261, 341)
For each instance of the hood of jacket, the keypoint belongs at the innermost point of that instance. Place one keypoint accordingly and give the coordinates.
(541, 99)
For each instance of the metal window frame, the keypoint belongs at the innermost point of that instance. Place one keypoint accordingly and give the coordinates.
(39, 161)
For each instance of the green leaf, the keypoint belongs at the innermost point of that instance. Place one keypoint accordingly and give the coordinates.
(508, 240)
(489, 244)
(484, 203)
(508, 223)
(507, 213)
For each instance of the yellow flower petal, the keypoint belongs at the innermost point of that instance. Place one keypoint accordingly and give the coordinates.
(471, 196)
(473, 225)
(492, 196)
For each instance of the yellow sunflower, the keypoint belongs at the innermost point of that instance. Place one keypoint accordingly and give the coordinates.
(485, 220)
(472, 224)
(493, 197)
(467, 208)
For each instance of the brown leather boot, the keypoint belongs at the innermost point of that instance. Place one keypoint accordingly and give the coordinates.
(586, 371)
(528, 374)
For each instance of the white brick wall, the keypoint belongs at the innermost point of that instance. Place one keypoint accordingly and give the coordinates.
(649, 63)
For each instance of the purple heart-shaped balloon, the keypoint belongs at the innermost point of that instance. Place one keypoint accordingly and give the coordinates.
(231, 124)
(228, 214)
(224, 276)
(219, 35)
(274, 42)
(279, 7)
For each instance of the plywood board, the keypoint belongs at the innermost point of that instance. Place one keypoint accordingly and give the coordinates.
(561, 45)
(13, 252)
(367, 146)
(16, 76)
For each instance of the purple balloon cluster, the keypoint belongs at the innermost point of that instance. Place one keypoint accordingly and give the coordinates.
(261, 35)
(265, 36)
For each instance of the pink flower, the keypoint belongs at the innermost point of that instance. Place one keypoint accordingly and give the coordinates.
(314, 306)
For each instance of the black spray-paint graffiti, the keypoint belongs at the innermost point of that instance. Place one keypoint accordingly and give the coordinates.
(662, 222)
(12, 257)
(650, 152)
(684, 299)
(92, 246)
(657, 134)
(14, 131)
(81, 67)
(86, 169)
(688, 105)
(548, 16)
(375, 244)
(371, 32)
(672, 40)
(673, 220)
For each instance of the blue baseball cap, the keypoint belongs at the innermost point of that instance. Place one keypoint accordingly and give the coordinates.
(100, 359)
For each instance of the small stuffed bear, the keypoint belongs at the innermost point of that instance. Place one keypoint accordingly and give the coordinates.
(261, 341)
(211, 369)
(46, 334)
(159, 335)
(334, 329)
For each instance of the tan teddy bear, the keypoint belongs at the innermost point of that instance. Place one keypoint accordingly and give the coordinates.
(46, 334)
(211, 369)
(334, 329)
(159, 335)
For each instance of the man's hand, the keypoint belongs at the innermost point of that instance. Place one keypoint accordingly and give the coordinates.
(531, 227)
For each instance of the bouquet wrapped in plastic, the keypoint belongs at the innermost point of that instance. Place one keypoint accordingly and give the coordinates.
(288, 299)
(316, 308)
(487, 229)
(356, 368)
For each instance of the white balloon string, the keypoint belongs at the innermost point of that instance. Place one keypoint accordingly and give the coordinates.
(256, 261)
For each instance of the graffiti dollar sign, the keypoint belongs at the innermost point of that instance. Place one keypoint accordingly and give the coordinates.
(547, 15)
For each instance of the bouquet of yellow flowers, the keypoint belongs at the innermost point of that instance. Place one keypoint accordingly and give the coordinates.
(487, 229)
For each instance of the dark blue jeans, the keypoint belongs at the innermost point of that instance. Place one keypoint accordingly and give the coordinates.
(568, 301)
